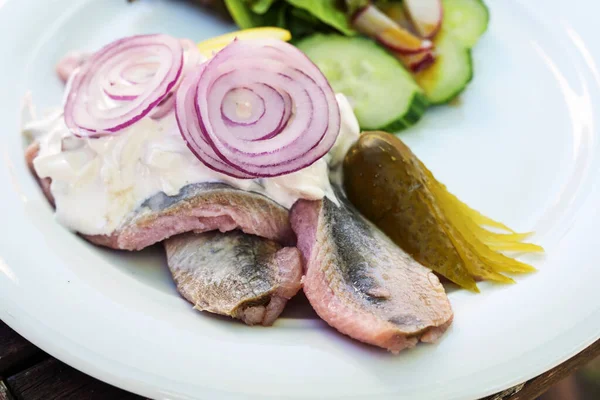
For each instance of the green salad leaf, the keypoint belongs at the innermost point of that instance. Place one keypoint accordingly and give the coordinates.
(244, 14)
(354, 5)
(301, 17)
(260, 6)
(328, 12)
(301, 23)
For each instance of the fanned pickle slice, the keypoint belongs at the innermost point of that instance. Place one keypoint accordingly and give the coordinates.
(495, 261)
(392, 187)
(498, 261)
(476, 221)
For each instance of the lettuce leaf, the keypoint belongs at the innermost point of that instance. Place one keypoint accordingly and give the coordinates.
(328, 12)
(261, 6)
(302, 23)
(243, 14)
(301, 17)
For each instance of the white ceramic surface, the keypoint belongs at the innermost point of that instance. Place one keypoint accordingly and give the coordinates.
(522, 146)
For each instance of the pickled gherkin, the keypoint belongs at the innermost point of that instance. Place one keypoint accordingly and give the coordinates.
(394, 189)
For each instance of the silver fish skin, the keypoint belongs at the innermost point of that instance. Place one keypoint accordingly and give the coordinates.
(235, 274)
(361, 283)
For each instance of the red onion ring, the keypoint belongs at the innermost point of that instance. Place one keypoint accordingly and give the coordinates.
(259, 108)
(164, 107)
(187, 122)
(191, 59)
(116, 87)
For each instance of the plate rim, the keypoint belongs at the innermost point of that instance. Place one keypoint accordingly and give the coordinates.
(87, 365)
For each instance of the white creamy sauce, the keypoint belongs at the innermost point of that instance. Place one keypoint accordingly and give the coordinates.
(97, 183)
(349, 132)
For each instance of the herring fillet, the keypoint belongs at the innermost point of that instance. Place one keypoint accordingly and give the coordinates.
(199, 207)
(362, 284)
(357, 280)
(234, 274)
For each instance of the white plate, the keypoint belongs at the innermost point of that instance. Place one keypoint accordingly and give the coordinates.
(522, 146)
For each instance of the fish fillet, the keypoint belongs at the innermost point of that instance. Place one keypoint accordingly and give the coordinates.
(362, 284)
(235, 274)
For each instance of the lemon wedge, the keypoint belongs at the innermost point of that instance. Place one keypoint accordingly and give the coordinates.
(212, 45)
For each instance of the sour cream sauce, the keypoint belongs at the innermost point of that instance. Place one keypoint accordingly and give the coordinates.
(97, 183)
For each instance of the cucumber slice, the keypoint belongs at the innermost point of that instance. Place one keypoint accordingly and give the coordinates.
(464, 22)
(466, 19)
(383, 94)
(451, 72)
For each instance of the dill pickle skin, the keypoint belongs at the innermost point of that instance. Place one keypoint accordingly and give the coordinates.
(396, 191)
(385, 181)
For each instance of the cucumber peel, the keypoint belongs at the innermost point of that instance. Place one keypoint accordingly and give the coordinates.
(463, 24)
(451, 72)
(466, 19)
(383, 94)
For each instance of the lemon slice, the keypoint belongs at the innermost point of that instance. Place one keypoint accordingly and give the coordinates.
(212, 45)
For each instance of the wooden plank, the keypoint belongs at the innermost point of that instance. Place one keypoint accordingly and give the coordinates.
(537, 386)
(51, 379)
(16, 353)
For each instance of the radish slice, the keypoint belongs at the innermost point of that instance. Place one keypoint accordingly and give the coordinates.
(397, 14)
(379, 26)
(259, 108)
(417, 62)
(426, 16)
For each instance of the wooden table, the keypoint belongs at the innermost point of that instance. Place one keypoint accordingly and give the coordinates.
(27, 373)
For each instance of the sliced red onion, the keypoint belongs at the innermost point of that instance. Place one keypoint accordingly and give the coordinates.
(188, 122)
(163, 108)
(139, 72)
(191, 59)
(259, 108)
(122, 83)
